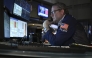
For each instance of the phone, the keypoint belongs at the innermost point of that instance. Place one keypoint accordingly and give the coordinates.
(54, 26)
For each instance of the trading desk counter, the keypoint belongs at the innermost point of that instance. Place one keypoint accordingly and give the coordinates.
(7, 51)
(19, 53)
(45, 52)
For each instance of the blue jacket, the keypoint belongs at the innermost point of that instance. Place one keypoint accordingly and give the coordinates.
(62, 38)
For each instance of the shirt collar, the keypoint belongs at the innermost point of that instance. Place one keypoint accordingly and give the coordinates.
(59, 23)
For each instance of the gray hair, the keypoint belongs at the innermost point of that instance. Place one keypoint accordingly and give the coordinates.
(61, 6)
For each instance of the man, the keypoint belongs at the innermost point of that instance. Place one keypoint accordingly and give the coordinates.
(69, 30)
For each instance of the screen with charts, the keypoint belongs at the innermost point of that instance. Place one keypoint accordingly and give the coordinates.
(17, 10)
(18, 28)
(6, 25)
(22, 8)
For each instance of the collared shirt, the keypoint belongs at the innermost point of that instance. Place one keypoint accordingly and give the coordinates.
(59, 23)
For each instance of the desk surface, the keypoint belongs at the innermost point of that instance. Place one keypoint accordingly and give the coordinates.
(44, 54)
(31, 51)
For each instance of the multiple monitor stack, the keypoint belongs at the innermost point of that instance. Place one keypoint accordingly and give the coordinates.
(15, 19)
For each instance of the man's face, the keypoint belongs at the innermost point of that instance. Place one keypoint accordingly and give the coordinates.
(56, 13)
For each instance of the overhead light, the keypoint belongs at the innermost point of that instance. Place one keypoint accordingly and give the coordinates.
(32, 24)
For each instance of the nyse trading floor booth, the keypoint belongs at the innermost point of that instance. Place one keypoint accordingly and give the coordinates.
(39, 50)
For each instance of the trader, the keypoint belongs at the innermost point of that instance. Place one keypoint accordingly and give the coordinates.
(69, 30)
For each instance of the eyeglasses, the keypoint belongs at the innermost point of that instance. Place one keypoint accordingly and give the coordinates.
(55, 11)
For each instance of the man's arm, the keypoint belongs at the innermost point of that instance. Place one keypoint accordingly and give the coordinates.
(60, 37)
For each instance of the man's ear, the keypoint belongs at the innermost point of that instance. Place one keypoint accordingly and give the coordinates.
(62, 11)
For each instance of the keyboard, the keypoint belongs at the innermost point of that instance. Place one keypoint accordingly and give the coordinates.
(44, 48)
(55, 49)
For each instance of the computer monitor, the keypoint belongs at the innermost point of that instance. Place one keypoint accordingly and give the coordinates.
(22, 28)
(22, 8)
(6, 25)
(42, 11)
(17, 10)
(18, 28)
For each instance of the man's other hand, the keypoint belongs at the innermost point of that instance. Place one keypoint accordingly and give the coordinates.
(46, 25)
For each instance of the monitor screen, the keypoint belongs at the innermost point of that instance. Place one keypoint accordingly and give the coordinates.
(24, 4)
(23, 9)
(17, 10)
(6, 25)
(22, 28)
(42, 11)
(25, 14)
(18, 28)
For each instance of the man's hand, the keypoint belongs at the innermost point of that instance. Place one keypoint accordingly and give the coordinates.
(46, 24)
(46, 42)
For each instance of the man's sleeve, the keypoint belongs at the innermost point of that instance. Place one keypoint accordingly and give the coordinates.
(59, 38)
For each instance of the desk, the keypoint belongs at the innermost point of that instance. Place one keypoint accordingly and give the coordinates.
(19, 53)
(7, 51)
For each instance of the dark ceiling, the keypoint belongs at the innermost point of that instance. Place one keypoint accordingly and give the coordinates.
(40, 1)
